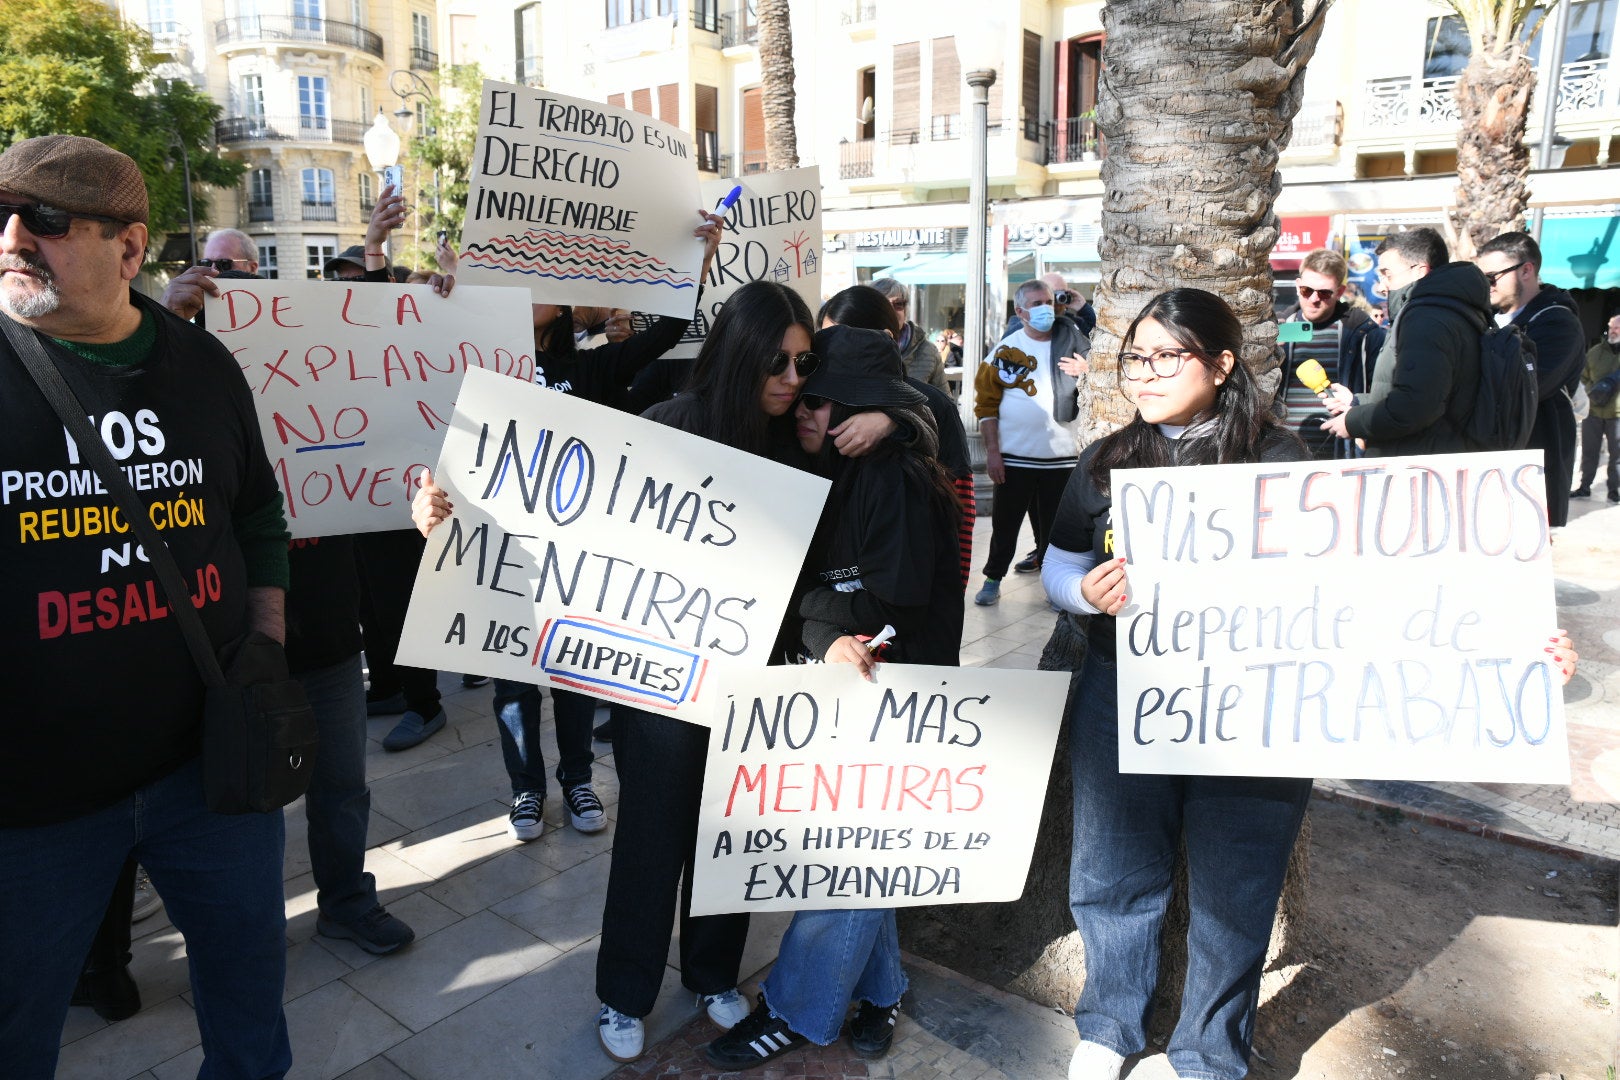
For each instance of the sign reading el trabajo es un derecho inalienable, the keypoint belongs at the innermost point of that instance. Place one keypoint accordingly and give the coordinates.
(354, 382)
(823, 790)
(596, 551)
(582, 203)
(1377, 619)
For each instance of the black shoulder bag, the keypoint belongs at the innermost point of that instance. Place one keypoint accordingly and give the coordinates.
(258, 730)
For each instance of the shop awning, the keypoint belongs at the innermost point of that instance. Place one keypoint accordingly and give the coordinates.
(952, 269)
(1581, 252)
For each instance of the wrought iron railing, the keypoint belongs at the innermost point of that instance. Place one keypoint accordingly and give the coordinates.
(738, 28)
(859, 12)
(319, 211)
(261, 211)
(855, 159)
(288, 129)
(424, 59)
(298, 28)
(1075, 138)
(529, 71)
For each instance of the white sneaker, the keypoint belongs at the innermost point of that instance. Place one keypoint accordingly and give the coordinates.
(585, 811)
(1094, 1061)
(727, 1009)
(623, 1037)
(525, 822)
(147, 901)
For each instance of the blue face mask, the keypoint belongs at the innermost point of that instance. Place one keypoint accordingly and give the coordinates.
(1041, 318)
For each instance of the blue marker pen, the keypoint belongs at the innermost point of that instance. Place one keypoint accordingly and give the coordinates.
(724, 205)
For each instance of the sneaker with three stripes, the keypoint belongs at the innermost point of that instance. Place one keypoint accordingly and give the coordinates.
(759, 1038)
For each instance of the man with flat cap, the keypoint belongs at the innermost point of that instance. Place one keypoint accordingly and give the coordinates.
(103, 734)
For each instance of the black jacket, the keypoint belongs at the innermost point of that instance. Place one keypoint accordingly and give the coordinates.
(1427, 376)
(1361, 339)
(1553, 322)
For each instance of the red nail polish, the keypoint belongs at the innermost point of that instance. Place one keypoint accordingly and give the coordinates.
(1124, 599)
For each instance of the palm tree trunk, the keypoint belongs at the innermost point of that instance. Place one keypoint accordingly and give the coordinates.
(1197, 103)
(777, 96)
(1493, 166)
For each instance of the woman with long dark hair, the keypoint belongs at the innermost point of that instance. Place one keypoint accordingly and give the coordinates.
(1197, 404)
(885, 557)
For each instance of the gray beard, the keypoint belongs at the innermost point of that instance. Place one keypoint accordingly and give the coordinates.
(40, 304)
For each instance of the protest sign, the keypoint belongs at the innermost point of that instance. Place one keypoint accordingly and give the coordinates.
(354, 383)
(823, 790)
(596, 551)
(773, 233)
(581, 203)
(1384, 618)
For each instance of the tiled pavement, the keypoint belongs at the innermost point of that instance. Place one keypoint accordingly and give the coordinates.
(499, 983)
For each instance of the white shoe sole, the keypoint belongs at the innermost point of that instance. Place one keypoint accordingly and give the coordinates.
(524, 833)
(588, 825)
(608, 1050)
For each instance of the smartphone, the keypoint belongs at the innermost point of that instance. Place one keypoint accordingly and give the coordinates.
(394, 176)
(442, 236)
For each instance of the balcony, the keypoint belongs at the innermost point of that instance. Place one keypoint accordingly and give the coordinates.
(1317, 126)
(366, 207)
(424, 59)
(858, 13)
(320, 129)
(1407, 103)
(738, 28)
(706, 16)
(1585, 86)
(753, 161)
(296, 29)
(1075, 139)
(528, 72)
(262, 211)
(855, 159)
(319, 211)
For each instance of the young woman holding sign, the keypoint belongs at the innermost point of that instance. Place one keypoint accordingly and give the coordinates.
(885, 556)
(1197, 404)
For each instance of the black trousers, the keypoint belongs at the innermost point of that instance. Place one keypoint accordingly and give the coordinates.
(387, 562)
(660, 762)
(110, 949)
(1033, 491)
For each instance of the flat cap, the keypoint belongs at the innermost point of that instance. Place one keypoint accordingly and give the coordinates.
(79, 175)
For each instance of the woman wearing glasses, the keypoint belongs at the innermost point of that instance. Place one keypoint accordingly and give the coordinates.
(743, 386)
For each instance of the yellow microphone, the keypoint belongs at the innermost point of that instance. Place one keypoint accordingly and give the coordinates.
(1314, 377)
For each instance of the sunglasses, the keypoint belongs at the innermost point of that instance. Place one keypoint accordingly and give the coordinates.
(804, 363)
(46, 222)
(1493, 276)
(1324, 295)
(222, 265)
(812, 402)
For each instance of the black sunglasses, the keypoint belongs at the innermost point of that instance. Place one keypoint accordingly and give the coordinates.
(1323, 295)
(812, 402)
(1493, 276)
(46, 222)
(222, 265)
(804, 363)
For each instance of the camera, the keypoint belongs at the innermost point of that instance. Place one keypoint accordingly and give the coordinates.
(1066, 298)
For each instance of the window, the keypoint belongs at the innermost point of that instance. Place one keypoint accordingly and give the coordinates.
(1446, 48)
(641, 101)
(753, 114)
(945, 101)
(1030, 103)
(706, 107)
(1075, 77)
(160, 17)
(907, 111)
(312, 102)
(623, 12)
(368, 194)
(267, 259)
(319, 198)
(526, 43)
(421, 32)
(259, 186)
(865, 99)
(357, 12)
(317, 249)
(1589, 36)
(253, 96)
(366, 106)
(306, 14)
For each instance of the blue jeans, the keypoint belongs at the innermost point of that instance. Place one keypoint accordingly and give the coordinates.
(829, 959)
(338, 803)
(517, 707)
(220, 879)
(1238, 833)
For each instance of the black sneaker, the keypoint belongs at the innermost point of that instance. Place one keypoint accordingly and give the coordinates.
(1614, 496)
(603, 732)
(758, 1039)
(377, 932)
(110, 991)
(1582, 492)
(473, 682)
(872, 1031)
(1029, 564)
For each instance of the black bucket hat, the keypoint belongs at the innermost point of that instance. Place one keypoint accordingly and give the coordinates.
(355, 254)
(860, 368)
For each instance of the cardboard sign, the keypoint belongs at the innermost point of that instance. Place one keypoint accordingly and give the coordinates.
(773, 233)
(354, 383)
(1375, 619)
(823, 790)
(582, 203)
(596, 551)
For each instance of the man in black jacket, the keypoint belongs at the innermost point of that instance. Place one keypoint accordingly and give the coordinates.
(1427, 375)
(1323, 276)
(1548, 316)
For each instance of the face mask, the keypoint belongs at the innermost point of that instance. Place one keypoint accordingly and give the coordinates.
(1041, 318)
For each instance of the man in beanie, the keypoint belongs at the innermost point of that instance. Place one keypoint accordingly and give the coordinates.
(103, 738)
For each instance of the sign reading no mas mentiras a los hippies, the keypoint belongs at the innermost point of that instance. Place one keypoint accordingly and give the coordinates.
(582, 203)
(823, 790)
(1384, 618)
(354, 383)
(600, 552)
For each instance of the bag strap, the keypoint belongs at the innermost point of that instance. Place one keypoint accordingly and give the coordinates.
(56, 390)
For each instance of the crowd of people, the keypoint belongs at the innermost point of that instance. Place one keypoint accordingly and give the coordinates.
(103, 772)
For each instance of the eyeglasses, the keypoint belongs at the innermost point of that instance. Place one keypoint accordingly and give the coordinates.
(1165, 364)
(1493, 276)
(221, 265)
(1324, 295)
(812, 402)
(899, 303)
(46, 222)
(804, 363)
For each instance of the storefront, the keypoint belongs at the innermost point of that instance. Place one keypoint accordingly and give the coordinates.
(923, 247)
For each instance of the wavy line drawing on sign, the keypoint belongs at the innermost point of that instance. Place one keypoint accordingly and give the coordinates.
(567, 257)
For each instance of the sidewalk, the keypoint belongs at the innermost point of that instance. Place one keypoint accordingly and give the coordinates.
(500, 981)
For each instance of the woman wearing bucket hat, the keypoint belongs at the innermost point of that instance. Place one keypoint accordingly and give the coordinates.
(885, 556)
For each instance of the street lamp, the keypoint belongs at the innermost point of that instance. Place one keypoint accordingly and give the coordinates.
(382, 150)
(980, 48)
(407, 85)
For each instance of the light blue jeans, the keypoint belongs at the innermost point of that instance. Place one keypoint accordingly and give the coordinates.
(830, 959)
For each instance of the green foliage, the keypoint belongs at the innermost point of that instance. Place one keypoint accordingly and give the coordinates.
(70, 67)
(444, 143)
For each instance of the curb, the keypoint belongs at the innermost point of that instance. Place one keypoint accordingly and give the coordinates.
(1472, 828)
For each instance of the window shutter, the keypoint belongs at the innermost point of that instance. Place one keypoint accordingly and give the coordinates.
(753, 104)
(946, 96)
(706, 107)
(1032, 76)
(669, 104)
(907, 112)
(616, 100)
(641, 101)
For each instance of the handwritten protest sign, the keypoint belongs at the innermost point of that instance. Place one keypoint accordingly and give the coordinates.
(581, 203)
(354, 384)
(596, 551)
(1378, 619)
(826, 791)
(773, 233)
